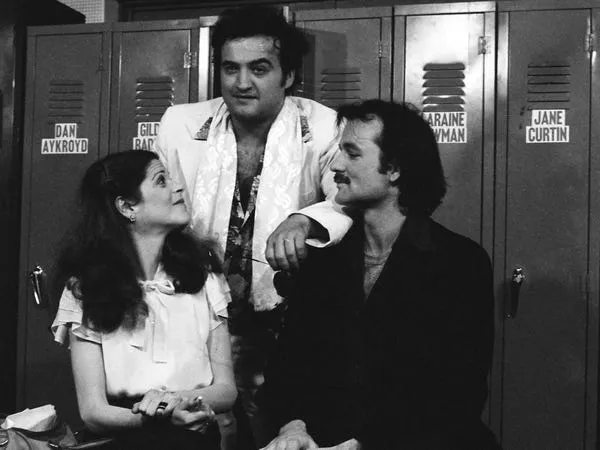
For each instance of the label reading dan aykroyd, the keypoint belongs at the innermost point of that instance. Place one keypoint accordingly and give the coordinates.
(65, 141)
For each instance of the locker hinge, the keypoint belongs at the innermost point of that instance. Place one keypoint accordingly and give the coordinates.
(380, 49)
(590, 44)
(484, 45)
(101, 64)
(190, 60)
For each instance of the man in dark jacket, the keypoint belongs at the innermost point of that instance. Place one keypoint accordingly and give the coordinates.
(388, 336)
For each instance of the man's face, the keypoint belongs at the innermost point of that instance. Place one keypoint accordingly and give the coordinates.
(357, 167)
(252, 81)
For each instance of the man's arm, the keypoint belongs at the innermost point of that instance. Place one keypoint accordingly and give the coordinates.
(321, 224)
(328, 213)
(286, 246)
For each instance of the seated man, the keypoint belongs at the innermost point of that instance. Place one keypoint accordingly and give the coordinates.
(387, 340)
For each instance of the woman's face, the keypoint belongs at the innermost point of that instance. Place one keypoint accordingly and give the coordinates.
(161, 205)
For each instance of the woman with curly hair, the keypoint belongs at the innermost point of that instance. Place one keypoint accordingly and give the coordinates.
(144, 311)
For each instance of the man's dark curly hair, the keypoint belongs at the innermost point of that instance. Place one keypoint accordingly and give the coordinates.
(248, 21)
(407, 143)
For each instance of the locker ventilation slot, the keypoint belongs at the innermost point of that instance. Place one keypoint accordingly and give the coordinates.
(444, 87)
(548, 86)
(65, 101)
(153, 96)
(340, 85)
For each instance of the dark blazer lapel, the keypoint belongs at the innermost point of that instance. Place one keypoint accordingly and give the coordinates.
(352, 262)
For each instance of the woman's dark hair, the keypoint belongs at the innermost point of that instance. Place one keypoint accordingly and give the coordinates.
(99, 262)
(407, 143)
(253, 20)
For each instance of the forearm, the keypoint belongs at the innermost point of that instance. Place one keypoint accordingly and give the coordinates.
(329, 223)
(108, 419)
(219, 396)
(90, 385)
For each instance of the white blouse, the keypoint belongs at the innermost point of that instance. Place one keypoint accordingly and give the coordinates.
(167, 350)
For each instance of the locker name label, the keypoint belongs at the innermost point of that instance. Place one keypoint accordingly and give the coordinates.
(146, 135)
(448, 127)
(547, 126)
(65, 141)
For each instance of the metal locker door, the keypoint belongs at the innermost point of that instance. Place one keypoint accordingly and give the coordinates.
(543, 243)
(66, 91)
(349, 57)
(155, 65)
(447, 58)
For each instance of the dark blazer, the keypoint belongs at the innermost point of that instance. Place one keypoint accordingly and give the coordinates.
(405, 368)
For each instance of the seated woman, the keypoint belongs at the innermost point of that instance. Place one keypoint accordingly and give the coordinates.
(144, 311)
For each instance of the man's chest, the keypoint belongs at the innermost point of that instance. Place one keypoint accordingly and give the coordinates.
(249, 164)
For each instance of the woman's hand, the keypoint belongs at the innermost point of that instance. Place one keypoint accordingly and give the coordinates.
(157, 403)
(193, 415)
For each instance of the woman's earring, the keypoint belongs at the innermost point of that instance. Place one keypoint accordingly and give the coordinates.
(132, 218)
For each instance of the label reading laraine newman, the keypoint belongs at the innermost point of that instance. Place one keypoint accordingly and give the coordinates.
(448, 127)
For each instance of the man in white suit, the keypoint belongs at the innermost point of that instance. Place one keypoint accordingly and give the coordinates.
(255, 165)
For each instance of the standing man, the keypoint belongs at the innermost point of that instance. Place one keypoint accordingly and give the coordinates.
(387, 339)
(248, 160)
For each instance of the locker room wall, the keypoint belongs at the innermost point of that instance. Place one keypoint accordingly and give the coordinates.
(547, 355)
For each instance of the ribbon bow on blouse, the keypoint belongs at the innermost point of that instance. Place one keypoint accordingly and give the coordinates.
(157, 322)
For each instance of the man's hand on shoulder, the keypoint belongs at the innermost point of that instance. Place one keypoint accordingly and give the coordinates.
(292, 436)
(286, 247)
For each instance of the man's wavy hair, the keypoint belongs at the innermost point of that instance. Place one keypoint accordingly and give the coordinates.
(248, 21)
(99, 262)
(407, 143)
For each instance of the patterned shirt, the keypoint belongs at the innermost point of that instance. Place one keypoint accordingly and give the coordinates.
(238, 250)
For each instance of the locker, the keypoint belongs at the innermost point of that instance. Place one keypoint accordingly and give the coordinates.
(88, 88)
(444, 65)
(144, 85)
(350, 57)
(15, 16)
(66, 89)
(547, 394)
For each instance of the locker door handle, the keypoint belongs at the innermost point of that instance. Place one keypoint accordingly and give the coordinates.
(37, 277)
(517, 279)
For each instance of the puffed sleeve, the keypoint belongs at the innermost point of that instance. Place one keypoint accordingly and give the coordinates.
(69, 316)
(218, 295)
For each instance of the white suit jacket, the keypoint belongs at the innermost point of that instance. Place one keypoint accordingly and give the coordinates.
(295, 178)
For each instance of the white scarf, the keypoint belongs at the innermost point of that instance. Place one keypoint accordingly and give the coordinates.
(281, 190)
